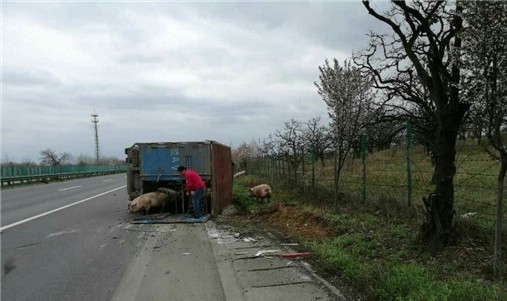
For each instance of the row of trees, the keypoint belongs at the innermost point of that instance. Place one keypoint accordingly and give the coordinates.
(444, 67)
(49, 157)
(291, 143)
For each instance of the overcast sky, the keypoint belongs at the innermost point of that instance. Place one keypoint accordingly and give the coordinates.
(229, 72)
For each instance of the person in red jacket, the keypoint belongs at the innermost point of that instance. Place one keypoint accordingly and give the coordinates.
(196, 184)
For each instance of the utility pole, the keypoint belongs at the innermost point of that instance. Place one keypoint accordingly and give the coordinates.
(95, 121)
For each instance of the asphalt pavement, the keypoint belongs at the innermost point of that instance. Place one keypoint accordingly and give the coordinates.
(74, 240)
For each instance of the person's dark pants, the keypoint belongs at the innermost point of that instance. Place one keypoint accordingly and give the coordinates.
(197, 199)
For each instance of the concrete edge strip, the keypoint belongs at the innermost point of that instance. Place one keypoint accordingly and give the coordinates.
(232, 289)
(131, 281)
(324, 282)
(57, 209)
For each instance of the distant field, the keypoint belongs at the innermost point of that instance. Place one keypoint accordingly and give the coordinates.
(386, 177)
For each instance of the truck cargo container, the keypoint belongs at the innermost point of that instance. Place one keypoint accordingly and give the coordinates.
(155, 164)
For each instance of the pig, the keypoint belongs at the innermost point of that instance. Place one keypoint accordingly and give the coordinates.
(157, 198)
(262, 191)
(239, 174)
(171, 193)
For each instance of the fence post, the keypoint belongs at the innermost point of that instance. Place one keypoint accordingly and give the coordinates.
(283, 169)
(408, 143)
(303, 172)
(363, 161)
(313, 165)
(273, 169)
(303, 181)
(278, 168)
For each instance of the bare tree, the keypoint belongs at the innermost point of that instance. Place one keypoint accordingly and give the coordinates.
(425, 46)
(241, 155)
(28, 162)
(486, 66)
(381, 127)
(271, 147)
(6, 162)
(49, 157)
(318, 137)
(345, 92)
(293, 145)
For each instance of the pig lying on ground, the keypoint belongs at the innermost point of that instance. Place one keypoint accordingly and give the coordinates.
(170, 192)
(239, 174)
(148, 200)
(262, 191)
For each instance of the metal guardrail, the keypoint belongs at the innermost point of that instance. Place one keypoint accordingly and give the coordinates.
(14, 175)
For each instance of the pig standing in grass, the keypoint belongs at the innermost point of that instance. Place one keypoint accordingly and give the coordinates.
(157, 198)
(262, 192)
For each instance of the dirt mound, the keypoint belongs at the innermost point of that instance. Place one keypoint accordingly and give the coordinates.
(294, 220)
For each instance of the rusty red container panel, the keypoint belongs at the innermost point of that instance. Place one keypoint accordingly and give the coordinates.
(221, 162)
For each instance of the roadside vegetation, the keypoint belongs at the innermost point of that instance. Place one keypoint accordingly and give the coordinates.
(376, 247)
(408, 202)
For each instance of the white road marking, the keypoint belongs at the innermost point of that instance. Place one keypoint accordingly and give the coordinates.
(62, 232)
(108, 180)
(57, 209)
(68, 188)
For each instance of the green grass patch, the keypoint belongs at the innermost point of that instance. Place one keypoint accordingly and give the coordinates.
(415, 283)
(334, 253)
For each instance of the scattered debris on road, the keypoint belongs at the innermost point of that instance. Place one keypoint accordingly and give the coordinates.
(262, 252)
(293, 255)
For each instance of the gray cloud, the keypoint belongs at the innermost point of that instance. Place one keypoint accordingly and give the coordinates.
(230, 72)
(30, 77)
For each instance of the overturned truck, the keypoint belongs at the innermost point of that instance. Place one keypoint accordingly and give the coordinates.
(154, 165)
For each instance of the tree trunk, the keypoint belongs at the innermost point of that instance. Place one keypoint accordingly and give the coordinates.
(336, 180)
(445, 171)
(438, 227)
(497, 259)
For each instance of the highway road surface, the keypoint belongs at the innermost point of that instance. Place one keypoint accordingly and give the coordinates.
(74, 240)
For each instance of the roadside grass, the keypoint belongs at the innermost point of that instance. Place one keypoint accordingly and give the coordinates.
(386, 178)
(376, 246)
